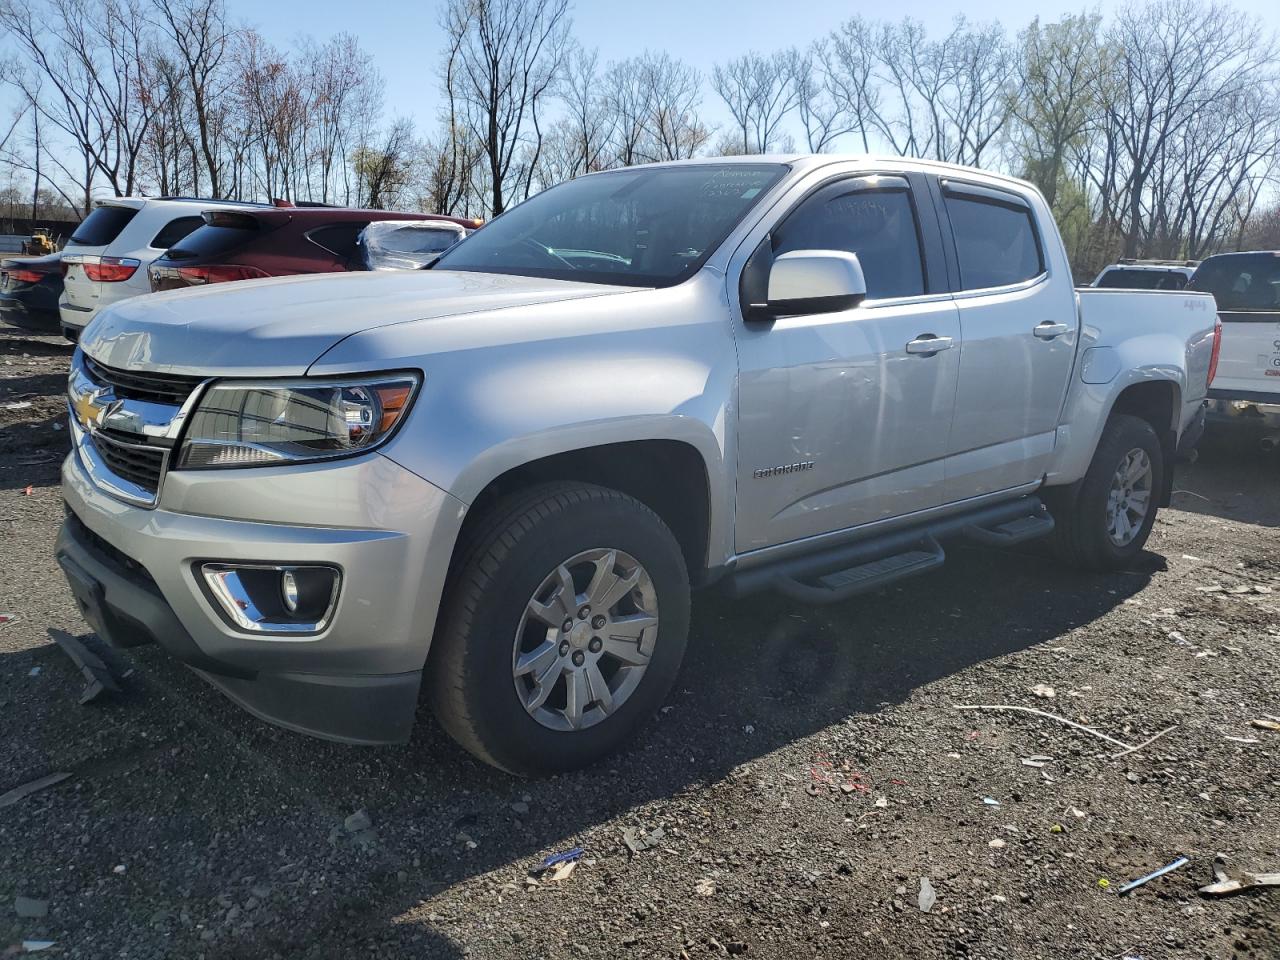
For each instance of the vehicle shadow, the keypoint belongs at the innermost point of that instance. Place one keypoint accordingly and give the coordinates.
(1233, 478)
(760, 674)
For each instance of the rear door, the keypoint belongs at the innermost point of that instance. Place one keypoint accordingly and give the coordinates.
(89, 242)
(1019, 332)
(841, 420)
(1247, 289)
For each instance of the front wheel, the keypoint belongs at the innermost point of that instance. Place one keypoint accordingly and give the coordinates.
(1108, 521)
(563, 628)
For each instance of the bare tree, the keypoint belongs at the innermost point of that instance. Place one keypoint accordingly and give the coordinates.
(505, 56)
(386, 170)
(759, 93)
(201, 37)
(825, 115)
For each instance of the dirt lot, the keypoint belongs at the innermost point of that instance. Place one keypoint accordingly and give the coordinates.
(808, 771)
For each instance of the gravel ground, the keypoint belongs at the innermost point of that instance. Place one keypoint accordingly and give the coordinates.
(808, 771)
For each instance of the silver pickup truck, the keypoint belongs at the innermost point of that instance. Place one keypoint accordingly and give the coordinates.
(501, 478)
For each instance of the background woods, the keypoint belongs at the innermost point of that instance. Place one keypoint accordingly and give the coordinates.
(1153, 133)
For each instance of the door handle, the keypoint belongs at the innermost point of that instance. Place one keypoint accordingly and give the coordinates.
(1047, 330)
(927, 344)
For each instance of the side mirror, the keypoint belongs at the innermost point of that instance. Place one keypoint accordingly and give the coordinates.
(815, 281)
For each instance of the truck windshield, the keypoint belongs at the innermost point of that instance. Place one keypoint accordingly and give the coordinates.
(647, 226)
(1241, 281)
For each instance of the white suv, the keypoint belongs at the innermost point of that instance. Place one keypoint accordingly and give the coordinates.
(107, 257)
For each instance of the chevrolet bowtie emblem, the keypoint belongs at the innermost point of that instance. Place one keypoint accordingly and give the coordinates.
(94, 408)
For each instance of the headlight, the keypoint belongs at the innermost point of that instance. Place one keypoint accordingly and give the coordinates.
(267, 423)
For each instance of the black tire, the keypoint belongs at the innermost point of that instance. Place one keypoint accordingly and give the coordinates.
(1080, 522)
(504, 558)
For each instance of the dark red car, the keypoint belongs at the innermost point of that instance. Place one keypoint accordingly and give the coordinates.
(271, 242)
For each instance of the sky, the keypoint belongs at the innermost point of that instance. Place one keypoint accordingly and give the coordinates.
(403, 37)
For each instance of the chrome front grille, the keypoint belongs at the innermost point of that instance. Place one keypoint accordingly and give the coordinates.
(140, 464)
(165, 388)
(124, 424)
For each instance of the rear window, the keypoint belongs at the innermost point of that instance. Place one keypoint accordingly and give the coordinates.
(338, 238)
(175, 230)
(1241, 283)
(208, 241)
(102, 226)
(1126, 279)
(995, 242)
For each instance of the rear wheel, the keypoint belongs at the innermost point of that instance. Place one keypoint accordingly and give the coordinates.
(563, 628)
(1108, 521)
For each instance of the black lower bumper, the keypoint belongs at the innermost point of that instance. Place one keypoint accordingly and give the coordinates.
(18, 314)
(125, 607)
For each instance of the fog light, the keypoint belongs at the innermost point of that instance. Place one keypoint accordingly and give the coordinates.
(289, 591)
(273, 598)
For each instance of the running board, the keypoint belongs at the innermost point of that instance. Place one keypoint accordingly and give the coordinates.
(836, 573)
(1013, 531)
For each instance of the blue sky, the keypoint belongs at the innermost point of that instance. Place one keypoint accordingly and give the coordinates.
(404, 37)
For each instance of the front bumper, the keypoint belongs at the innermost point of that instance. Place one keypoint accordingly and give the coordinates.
(134, 573)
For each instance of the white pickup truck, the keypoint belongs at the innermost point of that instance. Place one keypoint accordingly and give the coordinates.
(505, 474)
(1246, 390)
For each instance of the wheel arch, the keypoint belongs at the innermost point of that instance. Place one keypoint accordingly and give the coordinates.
(1159, 403)
(670, 476)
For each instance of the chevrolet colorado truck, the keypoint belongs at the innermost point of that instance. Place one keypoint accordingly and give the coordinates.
(500, 478)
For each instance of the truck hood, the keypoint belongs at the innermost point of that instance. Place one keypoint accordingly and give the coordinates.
(279, 327)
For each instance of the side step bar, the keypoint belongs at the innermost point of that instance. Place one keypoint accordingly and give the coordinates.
(838, 573)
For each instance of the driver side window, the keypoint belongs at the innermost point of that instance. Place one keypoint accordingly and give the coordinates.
(880, 226)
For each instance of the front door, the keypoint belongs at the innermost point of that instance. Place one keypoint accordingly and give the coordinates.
(844, 417)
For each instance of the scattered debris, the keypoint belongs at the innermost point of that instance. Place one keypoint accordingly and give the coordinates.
(928, 896)
(30, 908)
(33, 672)
(17, 793)
(94, 670)
(881, 802)
(357, 821)
(119, 869)
(1228, 881)
(20, 405)
(8, 618)
(1177, 638)
(1242, 739)
(1056, 828)
(1044, 691)
(991, 801)
(520, 808)
(555, 860)
(1168, 868)
(638, 840)
(996, 844)
(748, 729)
(35, 946)
(562, 870)
(1104, 883)
(1144, 743)
(1265, 724)
(1036, 761)
(1211, 588)
(705, 887)
(1076, 812)
(1049, 716)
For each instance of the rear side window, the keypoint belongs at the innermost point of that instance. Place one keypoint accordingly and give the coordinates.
(209, 241)
(878, 225)
(102, 226)
(1241, 282)
(338, 238)
(175, 230)
(1124, 278)
(996, 242)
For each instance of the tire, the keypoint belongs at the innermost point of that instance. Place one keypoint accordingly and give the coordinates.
(487, 623)
(1084, 532)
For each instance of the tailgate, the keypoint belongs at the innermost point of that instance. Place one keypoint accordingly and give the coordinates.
(78, 289)
(1249, 359)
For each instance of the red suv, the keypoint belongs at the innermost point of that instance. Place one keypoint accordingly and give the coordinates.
(271, 242)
